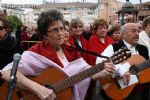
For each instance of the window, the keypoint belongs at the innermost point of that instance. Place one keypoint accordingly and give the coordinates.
(36, 14)
(90, 13)
(146, 8)
(35, 20)
(66, 13)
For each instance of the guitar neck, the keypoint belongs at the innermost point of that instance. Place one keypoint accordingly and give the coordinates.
(140, 67)
(70, 81)
(118, 57)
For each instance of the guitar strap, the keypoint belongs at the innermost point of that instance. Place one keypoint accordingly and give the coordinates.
(80, 49)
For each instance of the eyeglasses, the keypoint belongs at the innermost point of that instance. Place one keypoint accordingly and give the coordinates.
(57, 30)
(1, 27)
(80, 26)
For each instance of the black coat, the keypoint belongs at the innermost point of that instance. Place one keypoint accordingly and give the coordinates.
(143, 51)
(8, 48)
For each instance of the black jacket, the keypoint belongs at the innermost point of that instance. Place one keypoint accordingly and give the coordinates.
(8, 48)
(143, 51)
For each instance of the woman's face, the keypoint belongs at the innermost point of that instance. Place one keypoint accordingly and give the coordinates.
(87, 28)
(116, 35)
(101, 31)
(2, 30)
(147, 29)
(77, 29)
(66, 32)
(21, 28)
(55, 34)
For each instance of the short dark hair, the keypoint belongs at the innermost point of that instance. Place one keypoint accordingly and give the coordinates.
(146, 21)
(113, 29)
(47, 18)
(65, 22)
(6, 24)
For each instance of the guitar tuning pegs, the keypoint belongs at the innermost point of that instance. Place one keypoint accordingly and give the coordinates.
(116, 62)
(128, 53)
(121, 59)
(115, 57)
(120, 50)
(124, 57)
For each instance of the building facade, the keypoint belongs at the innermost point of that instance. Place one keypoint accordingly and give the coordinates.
(84, 11)
(144, 10)
(87, 12)
(108, 10)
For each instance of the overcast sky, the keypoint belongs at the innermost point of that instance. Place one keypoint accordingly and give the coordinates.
(40, 1)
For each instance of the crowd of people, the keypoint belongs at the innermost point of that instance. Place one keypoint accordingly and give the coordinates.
(65, 45)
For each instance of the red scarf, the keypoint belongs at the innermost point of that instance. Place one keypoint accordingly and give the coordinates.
(45, 49)
(84, 44)
(95, 45)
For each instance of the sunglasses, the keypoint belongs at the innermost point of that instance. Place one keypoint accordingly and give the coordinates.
(1, 27)
(80, 26)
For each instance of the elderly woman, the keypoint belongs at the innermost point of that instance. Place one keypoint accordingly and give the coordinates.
(8, 44)
(76, 38)
(52, 52)
(99, 40)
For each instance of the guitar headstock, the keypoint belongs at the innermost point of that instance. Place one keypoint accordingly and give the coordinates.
(120, 55)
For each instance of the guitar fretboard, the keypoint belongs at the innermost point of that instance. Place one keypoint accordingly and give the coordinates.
(64, 84)
(118, 57)
(140, 67)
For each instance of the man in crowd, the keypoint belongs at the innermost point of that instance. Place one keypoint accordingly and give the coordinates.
(130, 37)
(129, 19)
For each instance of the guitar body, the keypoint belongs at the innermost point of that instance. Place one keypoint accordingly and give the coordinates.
(117, 93)
(57, 78)
(51, 75)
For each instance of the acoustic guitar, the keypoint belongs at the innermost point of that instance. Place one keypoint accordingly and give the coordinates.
(139, 67)
(58, 81)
